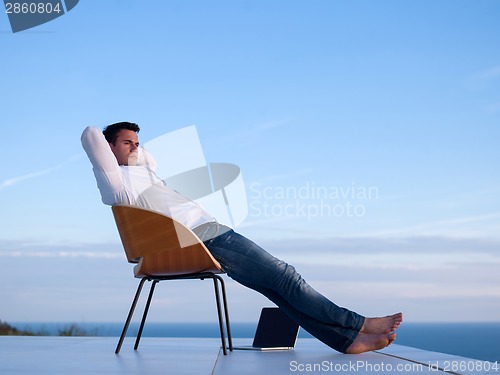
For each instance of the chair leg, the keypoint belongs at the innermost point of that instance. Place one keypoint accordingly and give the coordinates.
(226, 312)
(129, 317)
(144, 315)
(219, 313)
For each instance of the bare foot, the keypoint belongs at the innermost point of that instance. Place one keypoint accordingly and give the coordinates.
(366, 342)
(385, 324)
(392, 338)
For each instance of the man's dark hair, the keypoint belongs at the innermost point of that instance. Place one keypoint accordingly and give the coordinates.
(111, 131)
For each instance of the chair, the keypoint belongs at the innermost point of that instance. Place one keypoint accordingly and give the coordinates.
(164, 249)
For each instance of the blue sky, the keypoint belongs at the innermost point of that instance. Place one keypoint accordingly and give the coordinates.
(400, 99)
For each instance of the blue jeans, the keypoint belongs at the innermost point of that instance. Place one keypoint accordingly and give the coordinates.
(253, 267)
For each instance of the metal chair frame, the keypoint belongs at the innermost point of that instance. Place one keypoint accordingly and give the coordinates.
(201, 276)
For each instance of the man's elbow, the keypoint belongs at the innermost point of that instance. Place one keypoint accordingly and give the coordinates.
(112, 198)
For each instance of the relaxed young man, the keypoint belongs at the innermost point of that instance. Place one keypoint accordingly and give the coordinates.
(125, 174)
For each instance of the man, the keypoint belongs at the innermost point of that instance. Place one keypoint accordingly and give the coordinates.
(125, 174)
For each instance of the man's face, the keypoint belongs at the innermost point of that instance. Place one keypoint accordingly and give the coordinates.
(125, 147)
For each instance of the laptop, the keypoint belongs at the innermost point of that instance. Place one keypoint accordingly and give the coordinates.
(275, 331)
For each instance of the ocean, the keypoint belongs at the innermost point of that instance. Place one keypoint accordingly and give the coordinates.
(472, 340)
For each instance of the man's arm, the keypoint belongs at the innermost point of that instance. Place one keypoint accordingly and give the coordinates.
(107, 172)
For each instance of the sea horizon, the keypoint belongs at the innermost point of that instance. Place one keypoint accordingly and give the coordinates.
(467, 339)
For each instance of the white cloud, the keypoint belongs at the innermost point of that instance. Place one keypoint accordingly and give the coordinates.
(270, 125)
(400, 261)
(493, 108)
(367, 275)
(33, 249)
(460, 225)
(409, 290)
(250, 132)
(294, 173)
(482, 79)
(15, 180)
(62, 254)
(349, 246)
(489, 74)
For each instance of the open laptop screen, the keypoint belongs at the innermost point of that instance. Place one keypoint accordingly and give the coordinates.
(275, 330)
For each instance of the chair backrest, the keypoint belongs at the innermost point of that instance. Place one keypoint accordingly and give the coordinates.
(161, 245)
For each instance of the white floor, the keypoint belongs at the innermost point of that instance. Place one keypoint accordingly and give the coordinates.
(95, 355)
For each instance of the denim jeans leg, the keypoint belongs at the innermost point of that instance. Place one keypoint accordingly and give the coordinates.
(252, 266)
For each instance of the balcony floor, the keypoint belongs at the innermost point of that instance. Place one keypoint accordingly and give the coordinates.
(198, 356)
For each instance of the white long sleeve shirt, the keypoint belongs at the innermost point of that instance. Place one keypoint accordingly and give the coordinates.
(137, 185)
